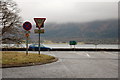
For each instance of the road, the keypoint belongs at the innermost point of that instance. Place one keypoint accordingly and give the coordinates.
(71, 64)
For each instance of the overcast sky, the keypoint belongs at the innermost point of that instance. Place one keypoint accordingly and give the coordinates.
(62, 11)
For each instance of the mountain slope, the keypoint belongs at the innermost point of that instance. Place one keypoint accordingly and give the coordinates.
(91, 30)
(107, 29)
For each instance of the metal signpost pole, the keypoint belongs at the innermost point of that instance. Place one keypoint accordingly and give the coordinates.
(27, 26)
(26, 45)
(39, 24)
(39, 42)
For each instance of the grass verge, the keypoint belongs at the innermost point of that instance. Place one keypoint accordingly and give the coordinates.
(11, 59)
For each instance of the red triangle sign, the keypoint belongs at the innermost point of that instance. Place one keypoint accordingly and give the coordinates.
(39, 21)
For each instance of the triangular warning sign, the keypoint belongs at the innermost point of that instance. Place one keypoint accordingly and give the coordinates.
(39, 21)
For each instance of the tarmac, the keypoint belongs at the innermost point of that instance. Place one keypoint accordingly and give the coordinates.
(71, 64)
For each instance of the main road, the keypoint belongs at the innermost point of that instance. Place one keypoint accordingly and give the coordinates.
(71, 64)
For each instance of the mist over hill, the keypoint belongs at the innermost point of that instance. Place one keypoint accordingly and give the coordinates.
(96, 30)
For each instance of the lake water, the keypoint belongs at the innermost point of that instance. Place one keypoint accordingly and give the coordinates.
(106, 46)
(83, 46)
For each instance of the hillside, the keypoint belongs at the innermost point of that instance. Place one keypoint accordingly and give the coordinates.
(96, 30)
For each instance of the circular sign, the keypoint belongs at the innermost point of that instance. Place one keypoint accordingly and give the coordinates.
(27, 34)
(27, 26)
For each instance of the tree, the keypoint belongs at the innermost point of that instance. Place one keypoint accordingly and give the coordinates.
(10, 22)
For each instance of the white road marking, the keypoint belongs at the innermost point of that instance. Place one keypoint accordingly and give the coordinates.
(110, 53)
(84, 53)
(88, 55)
(78, 53)
(65, 67)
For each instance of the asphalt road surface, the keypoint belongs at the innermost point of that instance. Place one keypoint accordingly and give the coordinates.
(71, 64)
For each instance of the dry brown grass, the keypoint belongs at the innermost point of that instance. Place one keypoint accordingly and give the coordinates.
(9, 58)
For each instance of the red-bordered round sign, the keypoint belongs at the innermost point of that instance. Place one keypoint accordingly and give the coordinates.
(27, 26)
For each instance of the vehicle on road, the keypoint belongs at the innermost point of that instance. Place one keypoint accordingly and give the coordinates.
(35, 47)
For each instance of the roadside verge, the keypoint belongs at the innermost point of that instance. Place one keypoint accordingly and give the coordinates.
(18, 59)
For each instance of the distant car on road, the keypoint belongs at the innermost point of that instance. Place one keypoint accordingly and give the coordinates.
(42, 47)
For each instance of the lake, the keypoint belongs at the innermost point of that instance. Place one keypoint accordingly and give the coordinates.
(106, 46)
(102, 46)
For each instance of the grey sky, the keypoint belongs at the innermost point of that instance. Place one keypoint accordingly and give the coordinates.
(62, 11)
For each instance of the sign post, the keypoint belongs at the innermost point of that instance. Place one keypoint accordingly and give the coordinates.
(72, 43)
(26, 44)
(39, 44)
(27, 26)
(39, 24)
